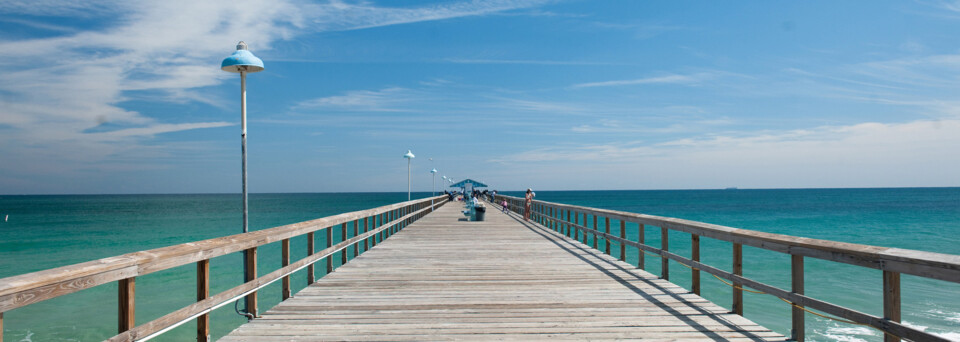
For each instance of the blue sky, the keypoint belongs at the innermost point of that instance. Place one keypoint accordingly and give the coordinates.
(128, 97)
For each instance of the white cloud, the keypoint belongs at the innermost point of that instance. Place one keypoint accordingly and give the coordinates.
(384, 100)
(667, 79)
(56, 88)
(918, 153)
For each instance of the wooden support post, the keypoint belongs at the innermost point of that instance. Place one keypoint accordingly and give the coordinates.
(695, 255)
(127, 307)
(343, 237)
(329, 244)
(623, 235)
(796, 277)
(568, 223)
(203, 291)
(664, 245)
(251, 261)
(576, 231)
(738, 270)
(310, 250)
(1, 327)
(891, 301)
(595, 227)
(606, 242)
(356, 231)
(284, 261)
(641, 238)
(366, 228)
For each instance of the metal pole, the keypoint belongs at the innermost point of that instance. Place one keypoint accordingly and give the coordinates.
(243, 143)
(408, 179)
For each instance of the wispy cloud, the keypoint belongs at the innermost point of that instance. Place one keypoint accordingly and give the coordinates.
(340, 15)
(384, 100)
(855, 155)
(666, 79)
(520, 61)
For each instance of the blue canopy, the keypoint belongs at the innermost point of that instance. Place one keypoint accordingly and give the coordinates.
(470, 182)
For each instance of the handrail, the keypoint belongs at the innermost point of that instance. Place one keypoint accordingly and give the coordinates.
(30, 288)
(892, 261)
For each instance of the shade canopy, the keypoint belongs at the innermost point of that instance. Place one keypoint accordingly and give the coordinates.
(242, 60)
(409, 155)
(470, 182)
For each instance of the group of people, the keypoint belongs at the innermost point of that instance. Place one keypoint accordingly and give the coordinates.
(492, 195)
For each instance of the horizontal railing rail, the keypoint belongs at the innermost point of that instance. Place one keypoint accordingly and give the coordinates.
(377, 223)
(566, 220)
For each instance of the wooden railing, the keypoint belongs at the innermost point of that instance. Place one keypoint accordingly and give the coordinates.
(571, 220)
(377, 224)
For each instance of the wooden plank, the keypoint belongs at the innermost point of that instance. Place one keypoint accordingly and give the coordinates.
(127, 307)
(542, 286)
(606, 242)
(623, 235)
(798, 330)
(695, 256)
(310, 250)
(891, 301)
(250, 301)
(641, 235)
(203, 292)
(284, 261)
(737, 270)
(664, 246)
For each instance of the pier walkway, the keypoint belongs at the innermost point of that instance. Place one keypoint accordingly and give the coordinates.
(442, 278)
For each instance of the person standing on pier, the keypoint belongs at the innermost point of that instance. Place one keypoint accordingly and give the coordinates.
(526, 205)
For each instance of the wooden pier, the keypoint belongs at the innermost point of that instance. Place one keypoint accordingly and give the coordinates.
(443, 278)
(420, 271)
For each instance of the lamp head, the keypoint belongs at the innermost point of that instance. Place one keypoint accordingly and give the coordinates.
(242, 61)
(433, 171)
(409, 155)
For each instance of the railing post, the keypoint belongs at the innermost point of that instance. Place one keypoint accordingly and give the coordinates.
(343, 237)
(1, 327)
(796, 275)
(595, 227)
(310, 250)
(251, 261)
(664, 246)
(891, 301)
(606, 241)
(623, 235)
(641, 238)
(284, 261)
(738, 270)
(203, 291)
(366, 228)
(127, 307)
(695, 255)
(356, 231)
(568, 223)
(329, 244)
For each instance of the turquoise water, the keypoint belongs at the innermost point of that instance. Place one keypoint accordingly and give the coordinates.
(49, 231)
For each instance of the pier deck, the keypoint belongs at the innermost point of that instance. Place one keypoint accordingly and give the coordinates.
(445, 279)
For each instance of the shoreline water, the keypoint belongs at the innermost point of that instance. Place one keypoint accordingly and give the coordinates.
(57, 230)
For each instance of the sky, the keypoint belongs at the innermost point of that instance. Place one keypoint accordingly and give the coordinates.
(115, 97)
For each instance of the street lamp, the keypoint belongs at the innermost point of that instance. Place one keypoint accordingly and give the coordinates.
(243, 62)
(434, 173)
(409, 156)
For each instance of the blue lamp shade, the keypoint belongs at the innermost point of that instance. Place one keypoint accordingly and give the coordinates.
(242, 60)
(409, 155)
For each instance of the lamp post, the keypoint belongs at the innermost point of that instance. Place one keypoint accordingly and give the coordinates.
(434, 173)
(409, 156)
(243, 62)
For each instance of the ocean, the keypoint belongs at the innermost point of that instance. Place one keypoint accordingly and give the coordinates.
(49, 231)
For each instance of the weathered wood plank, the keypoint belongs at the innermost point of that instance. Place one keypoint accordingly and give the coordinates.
(436, 280)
